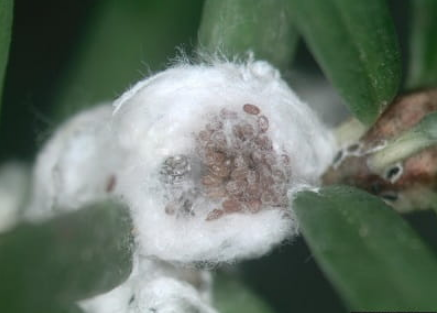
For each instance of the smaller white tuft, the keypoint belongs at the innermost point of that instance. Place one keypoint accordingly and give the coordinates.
(76, 166)
(14, 187)
(159, 287)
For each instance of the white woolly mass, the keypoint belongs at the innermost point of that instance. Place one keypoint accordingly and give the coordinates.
(204, 155)
(75, 166)
(159, 115)
(159, 118)
(167, 295)
(157, 287)
(14, 185)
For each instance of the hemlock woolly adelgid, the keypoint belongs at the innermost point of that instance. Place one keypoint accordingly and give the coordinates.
(213, 154)
(206, 156)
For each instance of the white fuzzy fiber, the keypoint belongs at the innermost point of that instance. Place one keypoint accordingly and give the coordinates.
(75, 165)
(156, 287)
(14, 185)
(158, 118)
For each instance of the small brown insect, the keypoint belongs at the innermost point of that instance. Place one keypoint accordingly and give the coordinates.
(218, 141)
(216, 192)
(110, 184)
(214, 215)
(211, 180)
(236, 188)
(231, 205)
(213, 157)
(252, 177)
(251, 109)
(220, 170)
(239, 174)
(268, 197)
(247, 131)
(264, 143)
(254, 191)
(241, 161)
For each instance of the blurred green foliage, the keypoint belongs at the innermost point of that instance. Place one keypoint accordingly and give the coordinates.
(375, 260)
(355, 44)
(6, 12)
(69, 258)
(235, 27)
(231, 296)
(423, 47)
(126, 41)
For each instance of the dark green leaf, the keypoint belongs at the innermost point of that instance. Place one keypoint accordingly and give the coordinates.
(233, 27)
(423, 44)
(369, 253)
(124, 41)
(355, 44)
(71, 257)
(231, 296)
(6, 12)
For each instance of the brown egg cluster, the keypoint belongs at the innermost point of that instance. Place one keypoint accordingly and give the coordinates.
(241, 172)
(235, 166)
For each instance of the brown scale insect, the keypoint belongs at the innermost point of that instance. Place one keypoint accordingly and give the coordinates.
(257, 157)
(221, 170)
(244, 132)
(236, 187)
(243, 171)
(211, 180)
(252, 177)
(253, 191)
(214, 215)
(218, 141)
(239, 174)
(247, 131)
(216, 192)
(241, 162)
(264, 143)
(231, 205)
(204, 135)
(251, 109)
(269, 160)
(266, 180)
(213, 157)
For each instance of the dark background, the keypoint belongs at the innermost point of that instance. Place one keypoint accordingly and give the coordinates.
(69, 54)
